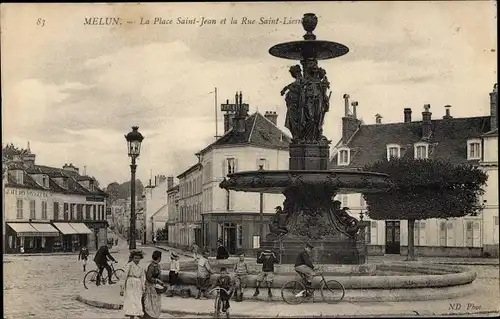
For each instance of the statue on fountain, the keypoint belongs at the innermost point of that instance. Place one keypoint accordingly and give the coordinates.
(307, 102)
(349, 223)
(278, 222)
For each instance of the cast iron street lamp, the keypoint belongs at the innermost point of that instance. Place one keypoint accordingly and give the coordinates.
(134, 140)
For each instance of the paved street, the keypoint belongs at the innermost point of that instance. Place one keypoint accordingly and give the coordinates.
(46, 286)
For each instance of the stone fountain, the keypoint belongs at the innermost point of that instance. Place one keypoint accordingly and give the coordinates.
(309, 212)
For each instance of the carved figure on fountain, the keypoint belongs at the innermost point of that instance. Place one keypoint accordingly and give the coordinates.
(278, 222)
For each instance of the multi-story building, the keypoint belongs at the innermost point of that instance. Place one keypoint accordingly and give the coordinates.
(173, 215)
(471, 140)
(156, 213)
(48, 208)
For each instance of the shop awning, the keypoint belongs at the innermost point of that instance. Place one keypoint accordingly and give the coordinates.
(81, 228)
(65, 228)
(45, 230)
(23, 229)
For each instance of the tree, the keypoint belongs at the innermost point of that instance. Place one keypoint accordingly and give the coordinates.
(425, 188)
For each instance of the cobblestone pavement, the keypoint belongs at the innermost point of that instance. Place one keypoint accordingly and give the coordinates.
(46, 286)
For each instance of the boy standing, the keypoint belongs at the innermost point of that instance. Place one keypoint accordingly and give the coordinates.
(224, 281)
(240, 276)
(173, 275)
(267, 258)
(203, 275)
(83, 256)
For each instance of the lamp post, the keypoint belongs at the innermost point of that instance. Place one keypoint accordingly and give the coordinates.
(261, 210)
(134, 140)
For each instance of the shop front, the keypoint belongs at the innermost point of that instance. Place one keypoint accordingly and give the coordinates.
(30, 238)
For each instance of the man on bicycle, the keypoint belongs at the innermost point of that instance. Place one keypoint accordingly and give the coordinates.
(304, 265)
(101, 260)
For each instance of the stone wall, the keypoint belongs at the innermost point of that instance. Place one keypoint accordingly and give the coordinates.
(432, 251)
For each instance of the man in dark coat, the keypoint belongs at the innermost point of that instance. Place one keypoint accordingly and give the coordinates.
(101, 260)
(222, 252)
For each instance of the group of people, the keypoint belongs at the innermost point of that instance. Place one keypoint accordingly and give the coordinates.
(142, 288)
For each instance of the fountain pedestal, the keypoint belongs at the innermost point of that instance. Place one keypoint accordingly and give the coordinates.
(309, 156)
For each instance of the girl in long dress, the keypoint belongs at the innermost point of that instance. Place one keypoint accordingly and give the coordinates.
(152, 299)
(134, 286)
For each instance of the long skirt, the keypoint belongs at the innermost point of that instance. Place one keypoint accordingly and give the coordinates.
(152, 302)
(132, 304)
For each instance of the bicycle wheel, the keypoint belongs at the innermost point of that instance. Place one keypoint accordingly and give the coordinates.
(217, 306)
(90, 279)
(118, 274)
(293, 292)
(332, 291)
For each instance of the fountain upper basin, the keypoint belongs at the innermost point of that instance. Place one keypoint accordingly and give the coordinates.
(275, 182)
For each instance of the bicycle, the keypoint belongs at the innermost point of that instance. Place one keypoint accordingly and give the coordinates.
(299, 291)
(91, 276)
(218, 302)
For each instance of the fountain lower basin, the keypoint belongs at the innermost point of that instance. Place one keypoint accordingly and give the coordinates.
(363, 283)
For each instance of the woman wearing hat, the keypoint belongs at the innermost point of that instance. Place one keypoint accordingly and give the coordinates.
(154, 286)
(134, 286)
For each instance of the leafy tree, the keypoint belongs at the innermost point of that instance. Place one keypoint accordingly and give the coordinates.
(425, 188)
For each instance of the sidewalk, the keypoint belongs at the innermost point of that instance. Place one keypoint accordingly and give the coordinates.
(108, 297)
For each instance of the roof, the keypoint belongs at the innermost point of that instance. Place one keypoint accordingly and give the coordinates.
(173, 188)
(448, 140)
(189, 170)
(161, 209)
(491, 133)
(259, 132)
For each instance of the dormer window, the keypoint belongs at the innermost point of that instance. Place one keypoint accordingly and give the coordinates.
(393, 151)
(421, 150)
(19, 176)
(344, 157)
(474, 149)
(45, 181)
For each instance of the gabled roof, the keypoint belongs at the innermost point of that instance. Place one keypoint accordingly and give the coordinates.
(160, 210)
(448, 140)
(28, 182)
(259, 132)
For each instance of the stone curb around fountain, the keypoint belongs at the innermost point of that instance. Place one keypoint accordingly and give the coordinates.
(107, 297)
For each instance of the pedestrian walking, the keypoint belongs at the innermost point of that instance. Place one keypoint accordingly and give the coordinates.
(84, 256)
(154, 286)
(134, 286)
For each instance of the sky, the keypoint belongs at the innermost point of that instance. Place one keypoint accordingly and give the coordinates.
(74, 90)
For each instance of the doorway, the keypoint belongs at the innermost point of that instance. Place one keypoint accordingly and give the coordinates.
(197, 237)
(229, 237)
(392, 237)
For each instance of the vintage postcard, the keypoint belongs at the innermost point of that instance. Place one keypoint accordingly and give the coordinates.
(250, 159)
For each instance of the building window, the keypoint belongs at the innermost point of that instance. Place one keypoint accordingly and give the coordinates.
(256, 241)
(66, 211)
(344, 199)
(87, 212)
(79, 211)
(343, 157)
(421, 151)
(368, 235)
(19, 177)
(474, 149)
(19, 206)
(72, 211)
(44, 210)
(261, 162)
(393, 151)
(32, 209)
(231, 165)
(56, 211)
(362, 202)
(45, 182)
(94, 210)
(239, 235)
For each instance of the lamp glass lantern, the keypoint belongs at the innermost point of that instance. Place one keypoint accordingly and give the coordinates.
(134, 140)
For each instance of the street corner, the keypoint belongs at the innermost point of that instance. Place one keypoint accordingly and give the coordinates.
(105, 297)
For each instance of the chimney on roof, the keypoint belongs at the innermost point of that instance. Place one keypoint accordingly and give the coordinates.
(170, 182)
(493, 107)
(240, 114)
(426, 122)
(447, 114)
(354, 106)
(228, 116)
(28, 159)
(378, 119)
(407, 115)
(272, 117)
(350, 124)
(346, 104)
(71, 168)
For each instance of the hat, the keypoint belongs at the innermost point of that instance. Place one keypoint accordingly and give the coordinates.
(173, 254)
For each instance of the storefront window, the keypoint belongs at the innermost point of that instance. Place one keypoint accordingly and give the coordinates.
(11, 239)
